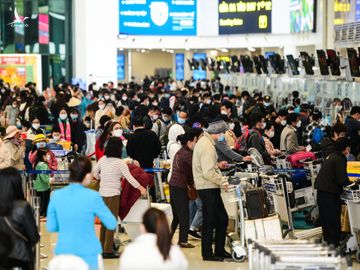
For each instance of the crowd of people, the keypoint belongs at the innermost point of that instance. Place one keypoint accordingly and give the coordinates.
(200, 126)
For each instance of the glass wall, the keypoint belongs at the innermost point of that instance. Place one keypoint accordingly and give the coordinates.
(39, 26)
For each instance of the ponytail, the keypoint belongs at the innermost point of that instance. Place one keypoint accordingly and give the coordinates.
(189, 135)
(155, 222)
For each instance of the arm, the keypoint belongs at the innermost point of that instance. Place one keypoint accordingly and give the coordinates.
(129, 147)
(32, 156)
(30, 226)
(52, 224)
(307, 136)
(185, 164)
(53, 164)
(126, 173)
(341, 176)
(103, 212)
(255, 141)
(226, 150)
(208, 165)
(96, 170)
(17, 153)
(292, 145)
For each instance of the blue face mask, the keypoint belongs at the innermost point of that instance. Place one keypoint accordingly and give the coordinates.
(41, 145)
(167, 95)
(74, 116)
(181, 121)
(221, 137)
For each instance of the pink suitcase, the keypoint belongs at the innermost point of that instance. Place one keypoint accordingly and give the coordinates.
(297, 158)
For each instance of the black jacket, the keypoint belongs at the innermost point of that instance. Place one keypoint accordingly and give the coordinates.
(327, 146)
(255, 140)
(22, 221)
(78, 135)
(353, 129)
(332, 176)
(143, 146)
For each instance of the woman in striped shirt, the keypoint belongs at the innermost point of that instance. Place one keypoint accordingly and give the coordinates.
(109, 170)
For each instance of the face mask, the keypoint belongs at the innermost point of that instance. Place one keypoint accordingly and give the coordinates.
(117, 132)
(283, 122)
(41, 145)
(107, 97)
(100, 96)
(221, 137)
(124, 98)
(113, 97)
(3, 90)
(155, 104)
(298, 124)
(102, 106)
(181, 121)
(263, 125)
(338, 108)
(165, 118)
(223, 112)
(36, 126)
(232, 126)
(167, 95)
(271, 134)
(63, 116)
(155, 117)
(14, 106)
(88, 97)
(56, 138)
(87, 124)
(266, 104)
(208, 101)
(74, 116)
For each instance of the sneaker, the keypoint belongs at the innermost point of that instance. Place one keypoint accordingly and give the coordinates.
(194, 235)
(186, 245)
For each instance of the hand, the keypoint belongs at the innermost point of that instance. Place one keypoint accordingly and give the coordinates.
(76, 147)
(302, 148)
(222, 164)
(136, 163)
(22, 144)
(248, 159)
(142, 190)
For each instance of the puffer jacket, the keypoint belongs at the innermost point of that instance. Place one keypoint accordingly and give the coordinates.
(11, 155)
(21, 227)
(327, 146)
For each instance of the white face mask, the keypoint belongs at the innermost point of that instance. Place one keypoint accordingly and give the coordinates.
(223, 112)
(283, 122)
(232, 126)
(36, 126)
(155, 117)
(117, 132)
(298, 124)
(102, 106)
(124, 98)
(56, 138)
(208, 101)
(263, 125)
(63, 116)
(107, 97)
(271, 134)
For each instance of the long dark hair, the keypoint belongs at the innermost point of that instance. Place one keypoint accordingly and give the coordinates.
(10, 189)
(155, 222)
(79, 168)
(40, 156)
(104, 136)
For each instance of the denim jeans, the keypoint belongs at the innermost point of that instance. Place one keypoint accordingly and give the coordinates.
(195, 214)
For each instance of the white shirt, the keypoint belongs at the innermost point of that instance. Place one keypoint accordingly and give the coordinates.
(144, 254)
(110, 171)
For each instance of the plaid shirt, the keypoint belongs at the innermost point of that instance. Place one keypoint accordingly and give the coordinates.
(309, 130)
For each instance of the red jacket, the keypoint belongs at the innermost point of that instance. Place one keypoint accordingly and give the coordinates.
(99, 153)
(129, 194)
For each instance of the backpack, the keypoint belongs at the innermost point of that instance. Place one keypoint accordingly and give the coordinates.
(165, 138)
(318, 135)
(241, 145)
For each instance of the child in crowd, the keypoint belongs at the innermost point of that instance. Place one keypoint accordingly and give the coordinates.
(42, 180)
(40, 143)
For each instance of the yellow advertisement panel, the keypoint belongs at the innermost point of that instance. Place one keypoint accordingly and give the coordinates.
(353, 169)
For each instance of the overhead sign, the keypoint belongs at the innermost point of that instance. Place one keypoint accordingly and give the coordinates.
(157, 17)
(241, 17)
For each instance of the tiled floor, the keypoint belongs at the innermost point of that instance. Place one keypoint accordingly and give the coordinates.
(193, 256)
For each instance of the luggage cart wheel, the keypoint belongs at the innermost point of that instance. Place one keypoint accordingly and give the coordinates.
(357, 256)
(238, 254)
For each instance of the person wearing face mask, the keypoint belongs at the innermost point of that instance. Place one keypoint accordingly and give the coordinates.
(230, 136)
(329, 184)
(11, 113)
(78, 136)
(104, 109)
(12, 149)
(143, 109)
(328, 144)
(77, 202)
(208, 180)
(40, 143)
(85, 102)
(34, 129)
(352, 123)
(269, 133)
(288, 140)
(256, 139)
(64, 125)
(314, 132)
(269, 107)
(279, 125)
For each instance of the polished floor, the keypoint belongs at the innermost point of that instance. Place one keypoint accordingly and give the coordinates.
(193, 256)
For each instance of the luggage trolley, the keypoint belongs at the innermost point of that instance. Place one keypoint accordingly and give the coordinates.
(352, 199)
(294, 255)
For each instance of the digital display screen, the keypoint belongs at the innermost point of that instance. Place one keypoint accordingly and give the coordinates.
(179, 66)
(302, 16)
(241, 17)
(80, 82)
(120, 67)
(334, 62)
(43, 28)
(353, 62)
(157, 17)
(199, 74)
(323, 63)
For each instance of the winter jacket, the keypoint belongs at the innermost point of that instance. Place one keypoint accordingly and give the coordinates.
(353, 131)
(327, 146)
(129, 194)
(11, 155)
(256, 141)
(53, 163)
(289, 140)
(182, 175)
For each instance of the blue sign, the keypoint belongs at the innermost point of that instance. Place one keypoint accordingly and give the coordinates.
(199, 74)
(120, 67)
(179, 66)
(357, 13)
(157, 17)
(80, 82)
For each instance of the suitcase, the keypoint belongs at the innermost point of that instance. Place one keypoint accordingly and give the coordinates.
(257, 203)
(295, 159)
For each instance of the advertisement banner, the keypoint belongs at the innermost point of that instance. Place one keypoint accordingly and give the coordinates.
(19, 69)
(179, 66)
(241, 17)
(199, 74)
(120, 67)
(157, 17)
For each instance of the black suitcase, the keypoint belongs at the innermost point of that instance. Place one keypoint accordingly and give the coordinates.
(257, 203)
